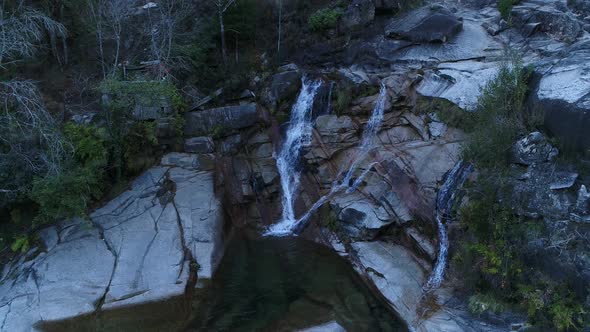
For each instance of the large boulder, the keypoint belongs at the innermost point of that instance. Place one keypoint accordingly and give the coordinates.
(140, 247)
(202, 144)
(548, 17)
(222, 119)
(284, 86)
(563, 93)
(533, 148)
(581, 7)
(363, 214)
(358, 14)
(541, 191)
(427, 24)
(471, 42)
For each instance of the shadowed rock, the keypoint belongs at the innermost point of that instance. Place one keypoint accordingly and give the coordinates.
(220, 119)
(427, 24)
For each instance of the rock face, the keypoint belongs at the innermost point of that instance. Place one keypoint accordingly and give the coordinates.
(336, 133)
(283, 86)
(545, 16)
(66, 281)
(140, 247)
(220, 119)
(144, 245)
(358, 14)
(532, 149)
(400, 276)
(427, 24)
(199, 145)
(564, 94)
(552, 193)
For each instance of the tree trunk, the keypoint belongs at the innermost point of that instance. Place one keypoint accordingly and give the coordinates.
(222, 32)
(280, 31)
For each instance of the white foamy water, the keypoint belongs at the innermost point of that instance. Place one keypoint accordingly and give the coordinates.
(298, 135)
(444, 203)
(367, 142)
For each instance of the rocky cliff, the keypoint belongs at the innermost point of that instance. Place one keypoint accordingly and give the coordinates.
(164, 235)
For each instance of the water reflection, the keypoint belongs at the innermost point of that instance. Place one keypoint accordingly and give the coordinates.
(287, 283)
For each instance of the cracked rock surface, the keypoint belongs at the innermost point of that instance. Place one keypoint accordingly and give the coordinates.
(138, 248)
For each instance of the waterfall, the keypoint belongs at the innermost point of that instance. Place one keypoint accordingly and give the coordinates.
(329, 106)
(371, 130)
(369, 134)
(444, 203)
(298, 135)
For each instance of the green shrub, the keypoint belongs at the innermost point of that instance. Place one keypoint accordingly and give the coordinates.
(499, 117)
(505, 6)
(343, 98)
(480, 303)
(324, 19)
(550, 304)
(139, 146)
(492, 249)
(68, 194)
(133, 142)
(89, 144)
(330, 221)
(20, 244)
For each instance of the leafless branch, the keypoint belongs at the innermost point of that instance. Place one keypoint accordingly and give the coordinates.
(23, 29)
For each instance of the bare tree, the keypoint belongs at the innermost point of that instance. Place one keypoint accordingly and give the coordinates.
(95, 8)
(107, 18)
(25, 118)
(280, 30)
(29, 137)
(164, 22)
(22, 29)
(222, 7)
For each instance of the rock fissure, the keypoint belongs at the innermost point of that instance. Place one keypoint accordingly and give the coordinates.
(6, 315)
(102, 299)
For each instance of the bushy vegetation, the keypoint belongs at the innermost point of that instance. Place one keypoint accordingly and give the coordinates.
(54, 171)
(98, 158)
(490, 256)
(68, 193)
(499, 118)
(324, 19)
(342, 99)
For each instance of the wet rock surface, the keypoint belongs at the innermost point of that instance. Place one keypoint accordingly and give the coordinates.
(400, 275)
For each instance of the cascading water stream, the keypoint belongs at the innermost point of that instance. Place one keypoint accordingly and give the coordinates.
(298, 134)
(444, 203)
(329, 106)
(372, 128)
